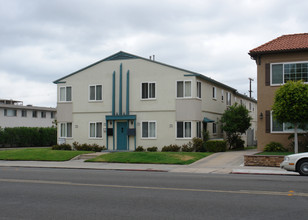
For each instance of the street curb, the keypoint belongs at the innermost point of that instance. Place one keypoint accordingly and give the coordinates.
(259, 173)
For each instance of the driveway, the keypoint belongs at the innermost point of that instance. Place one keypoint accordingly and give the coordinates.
(223, 162)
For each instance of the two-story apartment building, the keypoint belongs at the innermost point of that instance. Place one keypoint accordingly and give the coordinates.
(124, 101)
(278, 61)
(14, 114)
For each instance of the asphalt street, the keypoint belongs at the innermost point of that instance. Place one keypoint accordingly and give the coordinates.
(45, 193)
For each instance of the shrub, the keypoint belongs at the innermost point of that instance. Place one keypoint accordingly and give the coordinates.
(152, 149)
(61, 147)
(216, 146)
(197, 144)
(172, 148)
(88, 147)
(188, 147)
(139, 149)
(274, 147)
(238, 143)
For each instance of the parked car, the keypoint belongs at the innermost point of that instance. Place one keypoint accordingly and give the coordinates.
(297, 163)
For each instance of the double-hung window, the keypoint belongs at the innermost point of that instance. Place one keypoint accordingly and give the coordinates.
(199, 90)
(34, 114)
(10, 112)
(222, 95)
(183, 89)
(214, 128)
(183, 129)
(199, 131)
(43, 114)
(96, 130)
(283, 72)
(66, 130)
(148, 90)
(65, 94)
(148, 129)
(23, 113)
(214, 92)
(228, 98)
(95, 92)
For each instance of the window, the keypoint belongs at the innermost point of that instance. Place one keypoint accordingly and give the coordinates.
(214, 92)
(66, 94)
(96, 130)
(222, 95)
(148, 90)
(183, 89)
(283, 72)
(249, 106)
(228, 98)
(10, 112)
(23, 113)
(198, 124)
(34, 114)
(96, 93)
(66, 129)
(199, 90)
(43, 114)
(148, 129)
(277, 127)
(214, 128)
(183, 129)
(52, 115)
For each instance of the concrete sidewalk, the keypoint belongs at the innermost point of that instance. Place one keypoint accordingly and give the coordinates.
(218, 163)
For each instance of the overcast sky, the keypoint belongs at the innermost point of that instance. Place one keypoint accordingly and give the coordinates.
(43, 40)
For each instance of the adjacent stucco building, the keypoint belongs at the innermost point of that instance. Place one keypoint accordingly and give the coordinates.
(14, 114)
(282, 59)
(125, 101)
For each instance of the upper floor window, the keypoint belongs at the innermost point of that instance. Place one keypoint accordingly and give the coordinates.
(66, 94)
(148, 129)
(23, 113)
(52, 115)
(199, 90)
(228, 98)
(10, 112)
(43, 114)
(34, 114)
(96, 93)
(148, 90)
(222, 95)
(283, 72)
(214, 92)
(183, 89)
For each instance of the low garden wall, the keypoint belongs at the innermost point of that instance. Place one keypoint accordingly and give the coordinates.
(263, 160)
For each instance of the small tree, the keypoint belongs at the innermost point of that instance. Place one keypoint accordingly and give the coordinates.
(235, 121)
(291, 106)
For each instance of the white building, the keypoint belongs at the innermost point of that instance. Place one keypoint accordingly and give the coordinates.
(14, 114)
(125, 101)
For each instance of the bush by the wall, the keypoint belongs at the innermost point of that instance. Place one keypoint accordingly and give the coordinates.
(88, 147)
(152, 149)
(198, 144)
(28, 137)
(188, 147)
(274, 147)
(172, 148)
(216, 146)
(61, 147)
(139, 149)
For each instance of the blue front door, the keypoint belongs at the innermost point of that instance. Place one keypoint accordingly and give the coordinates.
(121, 135)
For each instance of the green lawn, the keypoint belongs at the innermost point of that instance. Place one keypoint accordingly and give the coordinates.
(151, 157)
(275, 153)
(39, 154)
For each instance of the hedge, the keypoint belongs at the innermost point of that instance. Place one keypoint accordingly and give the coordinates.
(216, 146)
(28, 137)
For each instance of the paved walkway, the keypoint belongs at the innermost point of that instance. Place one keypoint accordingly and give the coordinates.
(218, 163)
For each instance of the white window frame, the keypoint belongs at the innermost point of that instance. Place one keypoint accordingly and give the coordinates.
(222, 95)
(14, 111)
(34, 113)
(284, 129)
(199, 129)
(283, 63)
(65, 124)
(95, 95)
(214, 128)
(228, 98)
(214, 92)
(24, 113)
(199, 89)
(148, 121)
(65, 88)
(176, 130)
(43, 114)
(184, 90)
(95, 127)
(150, 82)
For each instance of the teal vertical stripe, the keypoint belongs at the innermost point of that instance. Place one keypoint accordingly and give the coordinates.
(113, 93)
(135, 134)
(107, 134)
(127, 93)
(120, 92)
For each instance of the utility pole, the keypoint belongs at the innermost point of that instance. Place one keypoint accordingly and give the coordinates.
(250, 91)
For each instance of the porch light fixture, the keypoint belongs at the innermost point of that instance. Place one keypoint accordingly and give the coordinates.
(261, 115)
(131, 122)
(110, 122)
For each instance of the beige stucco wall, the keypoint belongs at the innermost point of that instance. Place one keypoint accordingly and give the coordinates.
(266, 97)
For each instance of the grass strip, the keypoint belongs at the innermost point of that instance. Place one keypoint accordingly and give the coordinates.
(275, 153)
(181, 158)
(39, 154)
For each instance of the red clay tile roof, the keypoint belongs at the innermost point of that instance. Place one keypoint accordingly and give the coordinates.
(284, 43)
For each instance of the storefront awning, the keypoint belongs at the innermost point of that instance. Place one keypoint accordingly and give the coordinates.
(206, 120)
